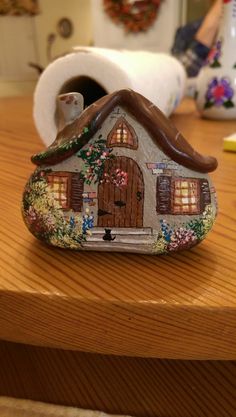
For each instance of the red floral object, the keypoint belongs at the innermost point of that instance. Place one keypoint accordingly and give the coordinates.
(136, 16)
(219, 93)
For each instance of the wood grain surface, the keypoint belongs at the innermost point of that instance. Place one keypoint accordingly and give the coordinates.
(180, 306)
(134, 386)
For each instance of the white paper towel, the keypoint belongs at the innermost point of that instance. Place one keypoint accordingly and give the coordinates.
(159, 77)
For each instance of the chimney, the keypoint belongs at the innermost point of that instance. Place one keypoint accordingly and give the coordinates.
(69, 107)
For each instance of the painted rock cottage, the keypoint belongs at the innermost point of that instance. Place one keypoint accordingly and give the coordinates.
(119, 177)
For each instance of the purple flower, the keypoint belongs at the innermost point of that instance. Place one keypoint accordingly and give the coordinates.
(219, 92)
(214, 54)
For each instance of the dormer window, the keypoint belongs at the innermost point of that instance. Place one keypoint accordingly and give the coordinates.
(122, 134)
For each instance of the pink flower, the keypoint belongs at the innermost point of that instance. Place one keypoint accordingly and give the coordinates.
(182, 239)
(31, 215)
(119, 178)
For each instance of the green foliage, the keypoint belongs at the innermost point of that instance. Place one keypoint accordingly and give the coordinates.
(215, 64)
(197, 226)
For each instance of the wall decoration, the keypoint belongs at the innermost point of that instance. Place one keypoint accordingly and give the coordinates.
(65, 27)
(87, 195)
(19, 7)
(135, 16)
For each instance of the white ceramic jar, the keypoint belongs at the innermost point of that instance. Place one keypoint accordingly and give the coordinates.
(216, 84)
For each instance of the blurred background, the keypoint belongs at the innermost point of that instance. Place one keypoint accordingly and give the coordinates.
(35, 32)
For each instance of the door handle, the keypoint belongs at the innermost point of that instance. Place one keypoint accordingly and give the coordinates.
(139, 195)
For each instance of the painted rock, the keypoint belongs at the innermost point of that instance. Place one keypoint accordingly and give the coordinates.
(119, 177)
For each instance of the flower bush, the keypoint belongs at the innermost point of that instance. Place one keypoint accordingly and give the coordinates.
(45, 218)
(219, 93)
(186, 235)
(182, 239)
(94, 157)
(161, 245)
(88, 222)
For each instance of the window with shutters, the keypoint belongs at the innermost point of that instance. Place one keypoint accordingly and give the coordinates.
(67, 188)
(122, 134)
(182, 195)
(185, 196)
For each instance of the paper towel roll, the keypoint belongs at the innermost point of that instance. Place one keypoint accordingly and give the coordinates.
(95, 72)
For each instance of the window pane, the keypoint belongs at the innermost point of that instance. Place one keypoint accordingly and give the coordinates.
(59, 187)
(122, 133)
(185, 192)
(185, 196)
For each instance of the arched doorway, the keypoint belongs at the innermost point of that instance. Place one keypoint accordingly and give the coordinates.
(121, 205)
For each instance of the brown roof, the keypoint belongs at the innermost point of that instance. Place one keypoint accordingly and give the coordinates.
(74, 136)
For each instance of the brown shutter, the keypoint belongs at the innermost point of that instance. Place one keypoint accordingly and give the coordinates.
(163, 194)
(77, 187)
(205, 194)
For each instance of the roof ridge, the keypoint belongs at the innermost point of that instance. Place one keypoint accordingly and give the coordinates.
(75, 135)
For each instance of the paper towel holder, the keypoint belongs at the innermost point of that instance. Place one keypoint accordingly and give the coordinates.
(90, 89)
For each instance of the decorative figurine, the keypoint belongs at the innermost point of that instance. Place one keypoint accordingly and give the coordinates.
(119, 177)
(216, 84)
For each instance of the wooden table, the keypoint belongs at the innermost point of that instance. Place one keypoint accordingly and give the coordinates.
(128, 329)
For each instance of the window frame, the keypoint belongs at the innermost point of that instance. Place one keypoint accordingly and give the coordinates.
(173, 196)
(68, 175)
(130, 129)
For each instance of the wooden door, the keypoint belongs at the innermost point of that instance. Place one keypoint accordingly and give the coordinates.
(121, 205)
